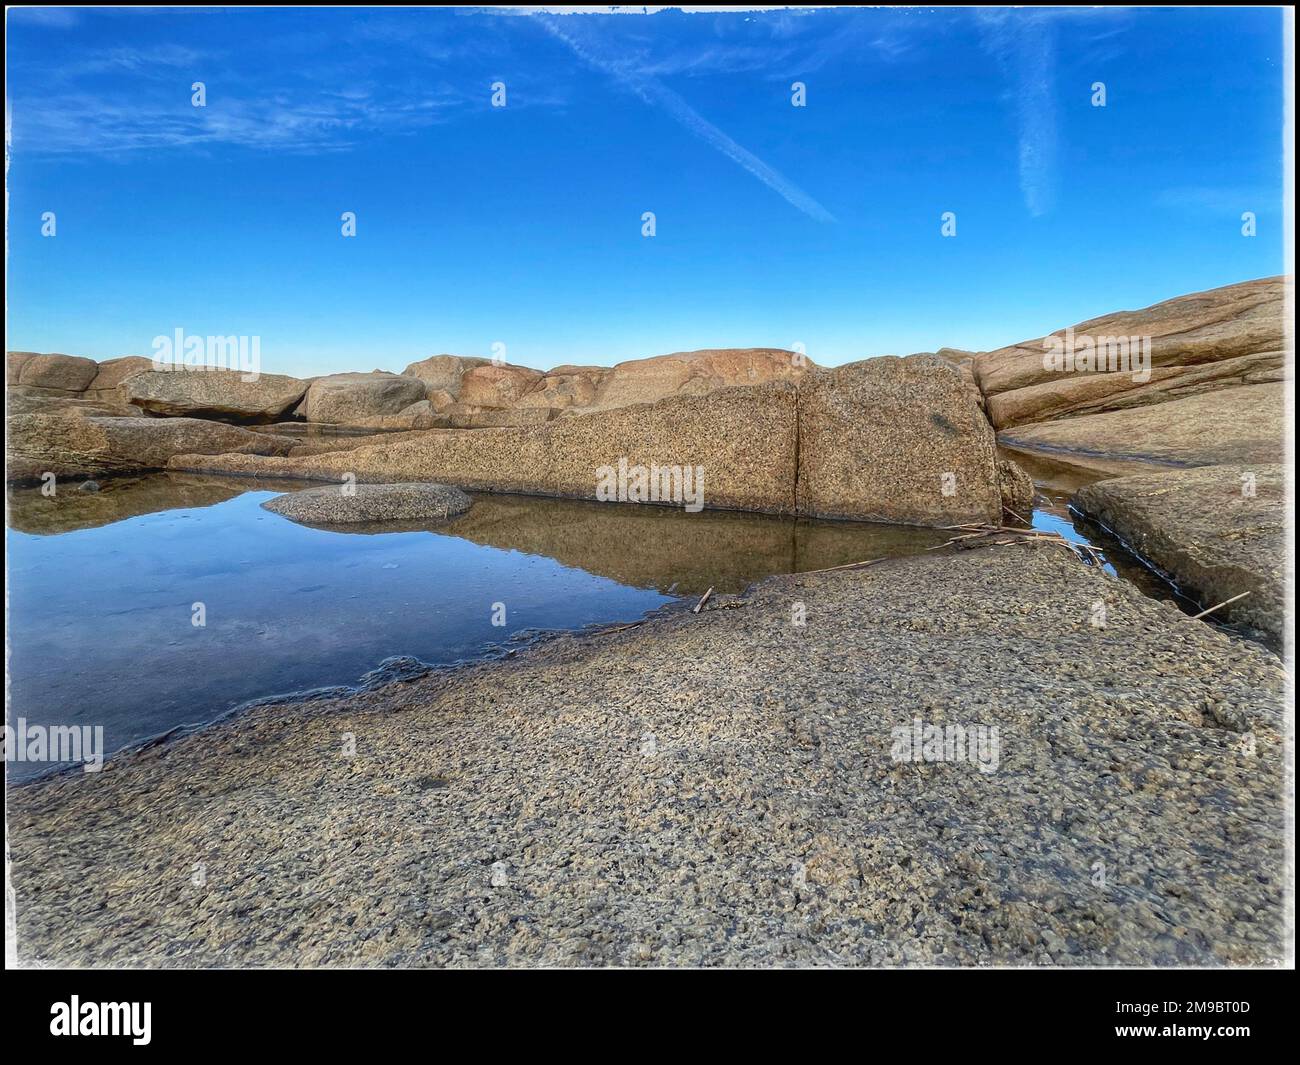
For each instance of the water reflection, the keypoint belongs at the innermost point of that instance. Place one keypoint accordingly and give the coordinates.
(103, 587)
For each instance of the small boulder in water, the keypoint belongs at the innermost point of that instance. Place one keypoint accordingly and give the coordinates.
(344, 504)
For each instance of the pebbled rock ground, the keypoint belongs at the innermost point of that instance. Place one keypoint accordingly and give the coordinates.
(714, 789)
(346, 504)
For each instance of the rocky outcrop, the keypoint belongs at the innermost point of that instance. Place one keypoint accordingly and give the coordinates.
(113, 373)
(70, 445)
(1235, 425)
(893, 439)
(496, 386)
(348, 504)
(222, 394)
(694, 373)
(349, 398)
(1216, 531)
(23, 400)
(58, 373)
(743, 439)
(443, 373)
(1201, 342)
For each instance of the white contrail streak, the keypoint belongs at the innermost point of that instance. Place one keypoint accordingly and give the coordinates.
(656, 94)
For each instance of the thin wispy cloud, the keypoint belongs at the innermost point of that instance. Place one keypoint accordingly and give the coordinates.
(1024, 47)
(659, 95)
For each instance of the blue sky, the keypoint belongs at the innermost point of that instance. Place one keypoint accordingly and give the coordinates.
(521, 225)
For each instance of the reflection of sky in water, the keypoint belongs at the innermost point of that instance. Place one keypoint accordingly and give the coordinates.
(1046, 521)
(101, 627)
(103, 631)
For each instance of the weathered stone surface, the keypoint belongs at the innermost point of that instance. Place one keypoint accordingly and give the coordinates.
(1016, 488)
(346, 504)
(626, 782)
(566, 388)
(1236, 425)
(66, 373)
(76, 446)
(694, 373)
(1077, 394)
(893, 439)
(496, 386)
(1204, 529)
(344, 398)
(1228, 323)
(22, 400)
(113, 372)
(213, 393)
(744, 438)
(467, 416)
(443, 373)
(417, 416)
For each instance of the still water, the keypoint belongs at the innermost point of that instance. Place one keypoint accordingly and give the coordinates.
(105, 588)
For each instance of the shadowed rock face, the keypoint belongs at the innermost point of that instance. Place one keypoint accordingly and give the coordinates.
(1217, 531)
(213, 393)
(1242, 327)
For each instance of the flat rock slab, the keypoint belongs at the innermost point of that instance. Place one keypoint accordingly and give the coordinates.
(715, 789)
(345, 504)
(1217, 531)
(1236, 425)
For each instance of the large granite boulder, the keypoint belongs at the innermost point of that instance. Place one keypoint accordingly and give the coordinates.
(349, 398)
(1216, 531)
(493, 385)
(566, 388)
(68, 445)
(443, 373)
(899, 440)
(744, 439)
(62, 373)
(693, 373)
(347, 504)
(112, 373)
(902, 441)
(213, 393)
(1242, 327)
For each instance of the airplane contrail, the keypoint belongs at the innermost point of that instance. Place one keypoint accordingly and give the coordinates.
(656, 94)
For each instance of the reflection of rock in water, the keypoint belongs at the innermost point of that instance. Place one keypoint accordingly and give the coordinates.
(120, 498)
(656, 547)
(641, 546)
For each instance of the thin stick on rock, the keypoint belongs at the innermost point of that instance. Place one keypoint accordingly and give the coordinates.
(1211, 610)
(703, 599)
